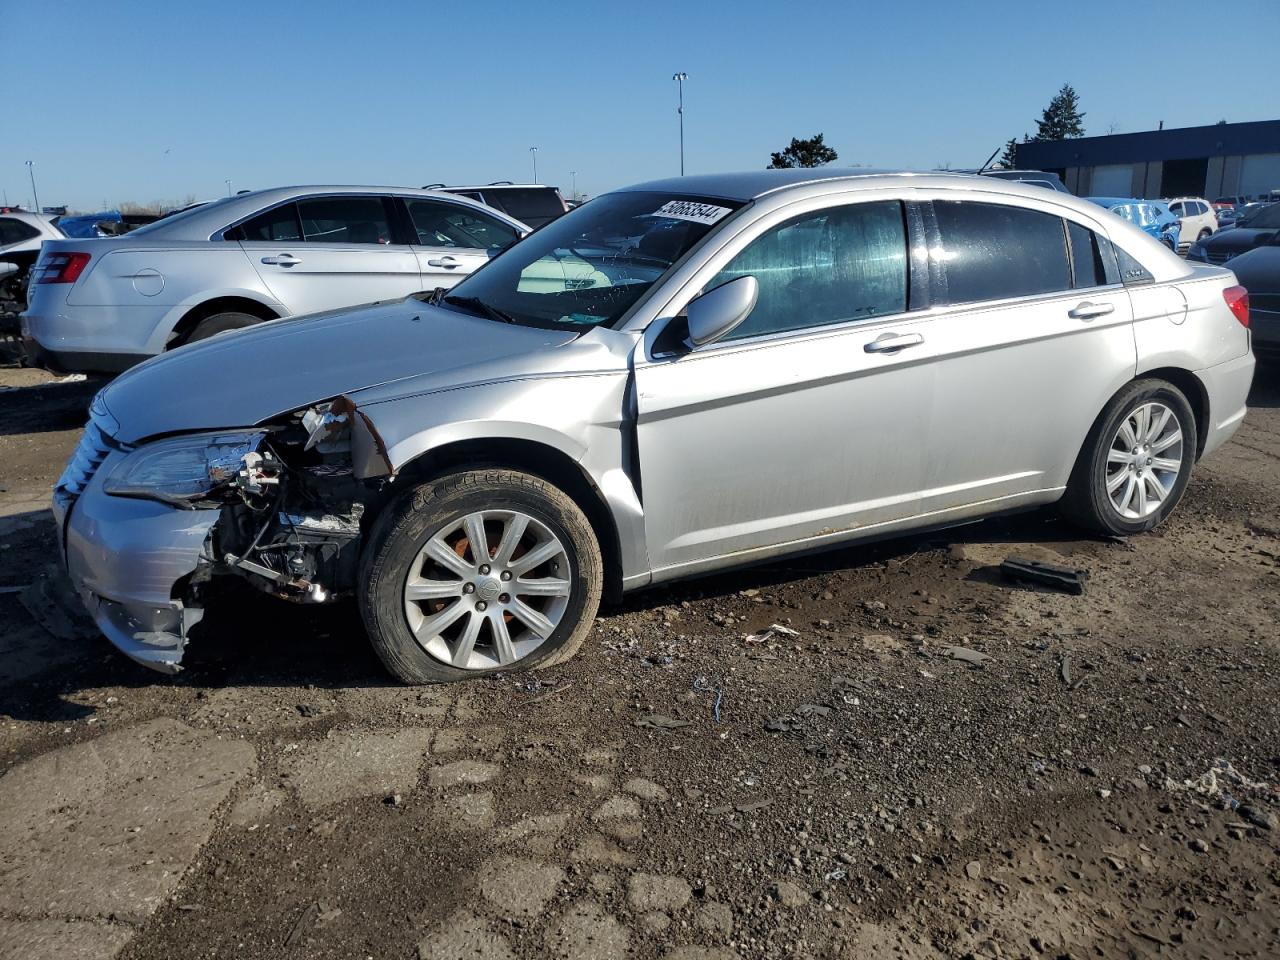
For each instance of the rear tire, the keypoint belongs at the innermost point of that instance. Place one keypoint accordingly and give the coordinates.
(221, 323)
(1135, 463)
(438, 610)
(1204, 235)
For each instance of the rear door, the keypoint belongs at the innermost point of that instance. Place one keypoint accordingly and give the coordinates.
(454, 239)
(324, 252)
(1033, 335)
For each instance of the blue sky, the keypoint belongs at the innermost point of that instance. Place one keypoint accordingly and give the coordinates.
(133, 100)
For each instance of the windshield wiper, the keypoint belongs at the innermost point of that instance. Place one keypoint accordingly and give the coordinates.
(478, 306)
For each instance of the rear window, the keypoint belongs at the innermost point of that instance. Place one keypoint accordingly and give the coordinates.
(525, 202)
(15, 231)
(994, 252)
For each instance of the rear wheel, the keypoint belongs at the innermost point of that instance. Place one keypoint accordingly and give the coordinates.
(221, 323)
(1136, 461)
(479, 572)
(1204, 235)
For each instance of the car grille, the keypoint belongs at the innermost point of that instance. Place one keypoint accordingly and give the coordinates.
(93, 448)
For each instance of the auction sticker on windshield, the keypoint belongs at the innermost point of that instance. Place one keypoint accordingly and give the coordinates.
(689, 210)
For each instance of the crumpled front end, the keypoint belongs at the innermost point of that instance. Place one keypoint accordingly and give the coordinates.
(145, 534)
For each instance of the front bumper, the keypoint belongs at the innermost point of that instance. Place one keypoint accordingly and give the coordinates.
(126, 558)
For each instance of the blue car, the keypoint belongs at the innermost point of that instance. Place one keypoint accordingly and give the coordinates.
(1153, 216)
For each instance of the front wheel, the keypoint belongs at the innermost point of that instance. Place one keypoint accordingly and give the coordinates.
(479, 572)
(1204, 235)
(1136, 461)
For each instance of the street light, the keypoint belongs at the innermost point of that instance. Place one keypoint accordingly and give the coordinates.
(533, 152)
(35, 197)
(573, 191)
(680, 78)
(228, 183)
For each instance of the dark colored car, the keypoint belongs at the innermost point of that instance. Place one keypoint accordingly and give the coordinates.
(1252, 230)
(530, 203)
(1039, 178)
(1258, 271)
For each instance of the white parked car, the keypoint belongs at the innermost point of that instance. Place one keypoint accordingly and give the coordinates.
(103, 305)
(1197, 217)
(21, 234)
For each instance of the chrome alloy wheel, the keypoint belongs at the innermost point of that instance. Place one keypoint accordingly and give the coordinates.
(1144, 461)
(487, 590)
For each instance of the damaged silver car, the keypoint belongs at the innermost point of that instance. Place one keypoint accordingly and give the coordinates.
(672, 379)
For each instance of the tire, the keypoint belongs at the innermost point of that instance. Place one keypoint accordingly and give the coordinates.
(220, 323)
(442, 513)
(1088, 501)
(1171, 245)
(1204, 234)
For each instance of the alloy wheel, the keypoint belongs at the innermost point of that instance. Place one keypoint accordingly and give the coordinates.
(487, 590)
(1144, 461)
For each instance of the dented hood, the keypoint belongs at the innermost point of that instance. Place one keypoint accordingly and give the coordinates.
(244, 378)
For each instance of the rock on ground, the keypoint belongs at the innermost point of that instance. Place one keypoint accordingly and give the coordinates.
(464, 772)
(464, 936)
(647, 892)
(586, 932)
(108, 827)
(356, 763)
(519, 887)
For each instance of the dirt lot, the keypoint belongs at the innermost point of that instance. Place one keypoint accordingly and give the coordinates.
(1101, 782)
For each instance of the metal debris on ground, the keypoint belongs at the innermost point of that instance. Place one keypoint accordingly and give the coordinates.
(769, 632)
(975, 658)
(703, 685)
(1067, 579)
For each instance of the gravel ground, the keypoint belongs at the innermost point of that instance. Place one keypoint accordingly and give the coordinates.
(1093, 776)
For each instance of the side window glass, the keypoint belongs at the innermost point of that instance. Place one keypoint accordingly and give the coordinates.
(439, 224)
(279, 223)
(1176, 209)
(344, 220)
(845, 263)
(993, 252)
(1086, 258)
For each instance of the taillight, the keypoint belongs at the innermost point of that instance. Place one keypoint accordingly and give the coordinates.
(1238, 303)
(63, 267)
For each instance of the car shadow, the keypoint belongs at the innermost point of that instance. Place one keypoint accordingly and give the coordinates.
(47, 407)
(1265, 392)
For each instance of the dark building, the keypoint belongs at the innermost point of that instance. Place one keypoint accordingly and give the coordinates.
(1225, 159)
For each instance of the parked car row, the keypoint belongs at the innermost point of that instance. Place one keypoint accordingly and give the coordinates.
(1153, 217)
(21, 235)
(468, 463)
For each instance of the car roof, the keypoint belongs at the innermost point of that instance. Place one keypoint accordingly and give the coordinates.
(499, 186)
(199, 223)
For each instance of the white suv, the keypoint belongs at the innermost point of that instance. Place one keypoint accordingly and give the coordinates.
(1198, 219)
(102, 305)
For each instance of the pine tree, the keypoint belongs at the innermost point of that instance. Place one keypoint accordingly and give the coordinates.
(1009, 159)
(803, 153)
(1062, 119)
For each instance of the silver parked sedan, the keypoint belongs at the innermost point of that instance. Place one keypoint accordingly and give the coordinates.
(672, 379)
(106, 304)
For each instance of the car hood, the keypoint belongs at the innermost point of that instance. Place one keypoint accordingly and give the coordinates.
(250, 376)
(1237, 238)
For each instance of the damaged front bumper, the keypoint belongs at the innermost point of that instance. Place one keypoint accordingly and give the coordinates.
(126, 558)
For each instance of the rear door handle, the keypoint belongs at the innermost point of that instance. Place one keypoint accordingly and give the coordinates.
(1087, 310)
(283, 260)
(448, 262)
(892, 342)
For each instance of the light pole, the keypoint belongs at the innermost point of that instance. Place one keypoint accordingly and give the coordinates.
(573, 190)
(228, 183)
(35, 197)
(533, 152)
(680, 78)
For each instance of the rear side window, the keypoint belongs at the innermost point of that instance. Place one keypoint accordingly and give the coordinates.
(993, 252)
(278, 223)
(845, 263)
(440, 224)
(15, 231)
(344, 220)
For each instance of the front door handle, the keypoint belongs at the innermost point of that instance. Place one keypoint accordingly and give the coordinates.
(1087, 310)
(283, 260)
(448, 262)
(892, 342)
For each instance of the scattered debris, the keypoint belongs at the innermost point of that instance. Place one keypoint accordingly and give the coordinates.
(1067, 579)
(768, 633)
(1064, 670)
(974, 658)
(656, 721)
(703, 685)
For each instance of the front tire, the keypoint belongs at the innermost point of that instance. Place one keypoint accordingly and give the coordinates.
(1136, 461)
(1204, 235)
(479, 572)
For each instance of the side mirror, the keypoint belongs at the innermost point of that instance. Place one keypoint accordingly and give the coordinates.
(717, 312)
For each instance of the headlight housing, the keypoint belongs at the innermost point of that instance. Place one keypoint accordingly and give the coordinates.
(182, 469)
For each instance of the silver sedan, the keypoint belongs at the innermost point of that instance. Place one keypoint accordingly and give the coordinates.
(675, 378)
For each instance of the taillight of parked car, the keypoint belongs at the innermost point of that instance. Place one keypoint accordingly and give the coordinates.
(1238, 303)
(63, 267)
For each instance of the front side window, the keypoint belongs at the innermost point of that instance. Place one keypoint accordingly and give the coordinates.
(1176, 209)
(590, 266)
(441, 224)
(993, 252)
(844, 263)
(344, 220)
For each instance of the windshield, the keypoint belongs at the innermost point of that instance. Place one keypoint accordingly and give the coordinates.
(1268, 218)
(590, 266)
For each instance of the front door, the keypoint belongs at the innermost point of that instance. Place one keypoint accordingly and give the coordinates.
(323, 253)
(453, 240)
(807, 423)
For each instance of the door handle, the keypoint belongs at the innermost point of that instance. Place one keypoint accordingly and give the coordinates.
(283, 260)
(892, 342)
(1087, 310)
(446, 261)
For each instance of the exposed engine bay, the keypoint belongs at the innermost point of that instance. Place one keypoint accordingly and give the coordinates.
(291, 506)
